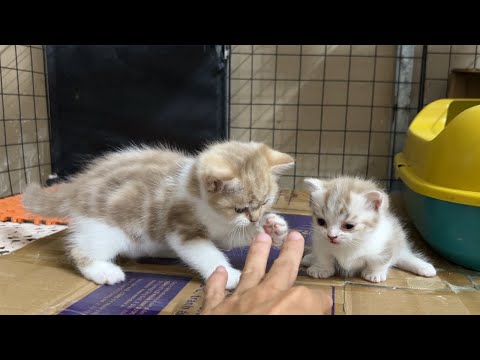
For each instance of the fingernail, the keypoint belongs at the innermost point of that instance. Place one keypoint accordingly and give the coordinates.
(220, 268)
(295, 235)
(263, 237)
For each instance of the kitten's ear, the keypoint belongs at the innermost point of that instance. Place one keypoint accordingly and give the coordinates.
(279, 162)
(377, 199)
(313, 185)
(221, 181)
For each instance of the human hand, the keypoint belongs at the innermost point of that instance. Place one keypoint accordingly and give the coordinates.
(270, 294)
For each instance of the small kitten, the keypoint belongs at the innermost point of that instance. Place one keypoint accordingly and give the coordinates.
(147, 201)
(355, 231)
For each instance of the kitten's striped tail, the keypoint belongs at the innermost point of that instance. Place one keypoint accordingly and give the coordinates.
(49, 202)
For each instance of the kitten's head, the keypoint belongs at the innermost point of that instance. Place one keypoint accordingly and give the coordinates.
(345, 209)
(239, 179)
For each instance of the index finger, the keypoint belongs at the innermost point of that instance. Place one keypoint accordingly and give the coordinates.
(284, 270)
(256, 263)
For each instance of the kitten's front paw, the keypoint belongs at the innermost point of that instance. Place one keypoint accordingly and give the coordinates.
(307, 260)
(103, 272)
(427, 270)
(374, 276)
(318, 272)
(233, 278)
(275, 226)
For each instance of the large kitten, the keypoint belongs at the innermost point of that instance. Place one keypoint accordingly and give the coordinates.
(159, 202)
(355, 231)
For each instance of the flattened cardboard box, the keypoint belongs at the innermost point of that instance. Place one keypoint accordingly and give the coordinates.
(38, 279)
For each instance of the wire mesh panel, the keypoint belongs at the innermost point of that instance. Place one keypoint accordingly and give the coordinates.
(335, 107)
(441, 60)
(24, 128)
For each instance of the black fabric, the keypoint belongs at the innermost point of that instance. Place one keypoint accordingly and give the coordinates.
(107, 96)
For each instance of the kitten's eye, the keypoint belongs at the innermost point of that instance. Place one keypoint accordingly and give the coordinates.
(266, 201)
(321, 222)
(349, 226)
(239, 211)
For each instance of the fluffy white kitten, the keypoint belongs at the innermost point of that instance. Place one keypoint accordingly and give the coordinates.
(355, 232)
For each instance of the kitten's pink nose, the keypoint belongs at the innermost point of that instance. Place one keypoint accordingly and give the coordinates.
(333, 239)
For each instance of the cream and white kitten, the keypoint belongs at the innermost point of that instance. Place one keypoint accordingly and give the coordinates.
(355, 232)
(160, 202)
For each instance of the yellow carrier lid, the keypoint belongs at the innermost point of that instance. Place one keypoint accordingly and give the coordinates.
(441, 155)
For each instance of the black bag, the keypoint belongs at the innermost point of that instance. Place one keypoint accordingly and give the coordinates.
(104, 97)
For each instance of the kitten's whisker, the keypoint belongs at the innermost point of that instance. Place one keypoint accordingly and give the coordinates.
(231, 236)
(233, 230)
(235, 236)
(347, 244)
(313, 200)
(317, 205)
(353, 243)
(230, 232)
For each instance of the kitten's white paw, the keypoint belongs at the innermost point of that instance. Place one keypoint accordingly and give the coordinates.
(233, 278)
(374, 276)
(276, 227)
(103, 272)
(307, 260)
(320, 272)
(427, 270)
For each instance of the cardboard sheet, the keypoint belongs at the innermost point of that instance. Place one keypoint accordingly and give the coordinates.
(38, 279)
